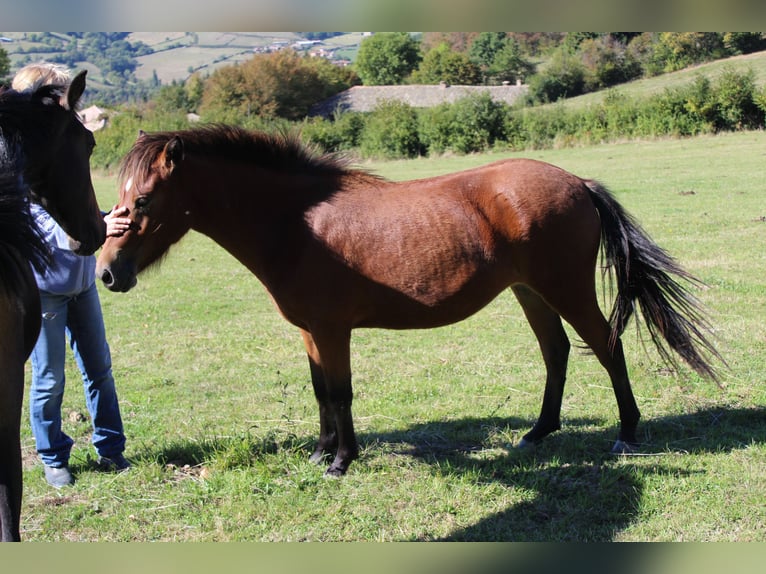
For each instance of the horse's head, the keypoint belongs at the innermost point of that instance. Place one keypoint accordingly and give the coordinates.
(149, 184)
(57, 148)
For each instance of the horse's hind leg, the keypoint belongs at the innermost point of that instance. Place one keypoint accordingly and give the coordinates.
(554, 344)
(579, 307)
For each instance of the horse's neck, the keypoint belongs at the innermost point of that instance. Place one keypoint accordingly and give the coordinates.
(255, 214)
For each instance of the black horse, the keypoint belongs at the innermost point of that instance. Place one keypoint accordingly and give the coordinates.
(45, 156)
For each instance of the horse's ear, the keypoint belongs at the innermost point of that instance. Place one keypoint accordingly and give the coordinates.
(75, 90)
(174, 152)
(141, 134)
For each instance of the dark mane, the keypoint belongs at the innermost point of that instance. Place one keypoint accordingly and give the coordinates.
(18, 230)
(279, 152)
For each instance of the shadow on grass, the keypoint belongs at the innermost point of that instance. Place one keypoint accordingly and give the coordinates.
(577, 490)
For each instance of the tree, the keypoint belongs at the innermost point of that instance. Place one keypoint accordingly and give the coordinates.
(457, 41)
(441, 64)
(387, 58)
(485, 46)
(194, 87)
(499, 57)
(5, 64)
(678, 50)
(607, 62)
(563, 77)
(172, 98)
(509, 65)
(282, 84)
(744, 42)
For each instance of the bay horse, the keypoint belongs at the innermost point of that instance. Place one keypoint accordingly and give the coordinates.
(339, 248)
(44, 156)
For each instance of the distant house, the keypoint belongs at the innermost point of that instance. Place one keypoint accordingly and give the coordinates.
(366, 98)
(94, 118)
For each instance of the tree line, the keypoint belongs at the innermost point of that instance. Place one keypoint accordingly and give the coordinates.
(278, 90)
(554, 65)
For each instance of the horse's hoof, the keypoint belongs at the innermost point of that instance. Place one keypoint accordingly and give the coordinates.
(318, 457)
(525, 444)
(623, 447)
(334, 472)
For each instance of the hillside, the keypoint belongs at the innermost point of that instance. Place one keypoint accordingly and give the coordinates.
(649, 86)
(163, 57)
(175, 55)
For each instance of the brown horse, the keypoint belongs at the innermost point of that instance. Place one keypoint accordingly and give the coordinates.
(339, 248)
(44, 155)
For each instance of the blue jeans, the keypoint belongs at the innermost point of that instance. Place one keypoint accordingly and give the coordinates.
(79, 318)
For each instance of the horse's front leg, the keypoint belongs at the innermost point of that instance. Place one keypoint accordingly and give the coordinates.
(328, 437)
(329, 361)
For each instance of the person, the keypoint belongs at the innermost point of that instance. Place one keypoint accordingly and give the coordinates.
(71, 308)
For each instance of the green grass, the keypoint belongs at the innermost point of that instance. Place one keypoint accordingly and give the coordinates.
(220, 416)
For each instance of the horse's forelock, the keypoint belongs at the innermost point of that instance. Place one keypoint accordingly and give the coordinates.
(137, 163)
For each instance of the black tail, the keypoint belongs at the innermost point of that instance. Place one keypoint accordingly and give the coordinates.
(644, 273)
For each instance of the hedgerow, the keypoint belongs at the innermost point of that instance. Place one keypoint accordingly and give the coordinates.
(477, 123)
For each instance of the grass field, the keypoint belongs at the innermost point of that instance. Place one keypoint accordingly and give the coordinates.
(220, 416)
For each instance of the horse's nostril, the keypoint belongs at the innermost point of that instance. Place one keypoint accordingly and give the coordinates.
(107, 277)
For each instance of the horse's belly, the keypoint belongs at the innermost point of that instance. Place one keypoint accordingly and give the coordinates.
(390, 309)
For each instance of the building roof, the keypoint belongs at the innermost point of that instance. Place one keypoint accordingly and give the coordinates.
(366, 98)
(93, 117)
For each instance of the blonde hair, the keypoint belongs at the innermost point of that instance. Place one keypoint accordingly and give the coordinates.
(34, 76)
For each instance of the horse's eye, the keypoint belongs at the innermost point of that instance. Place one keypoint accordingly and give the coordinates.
(142, 202)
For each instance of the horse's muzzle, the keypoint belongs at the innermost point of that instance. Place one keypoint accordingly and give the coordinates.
(112, 282)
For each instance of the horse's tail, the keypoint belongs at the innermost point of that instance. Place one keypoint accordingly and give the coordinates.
(644, 273)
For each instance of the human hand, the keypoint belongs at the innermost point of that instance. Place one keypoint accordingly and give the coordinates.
(117, 225)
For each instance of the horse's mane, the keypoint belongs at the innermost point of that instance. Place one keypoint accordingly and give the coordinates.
(279, 152)
(18, 230)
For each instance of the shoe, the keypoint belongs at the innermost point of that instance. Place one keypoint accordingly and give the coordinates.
(116, 463)
(58, 477)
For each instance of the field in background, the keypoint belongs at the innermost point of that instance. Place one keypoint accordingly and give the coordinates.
(647, 87)
(220, 415)
(178, 54)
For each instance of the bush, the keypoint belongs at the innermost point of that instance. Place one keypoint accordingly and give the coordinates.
(391, 132)
(736, 101)
(471, 124)
(340, 134)
(563, 78)
(116, 139)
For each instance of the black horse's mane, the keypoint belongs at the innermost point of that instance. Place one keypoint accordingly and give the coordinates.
(20, 113)
(279, 152)
(18, 230)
